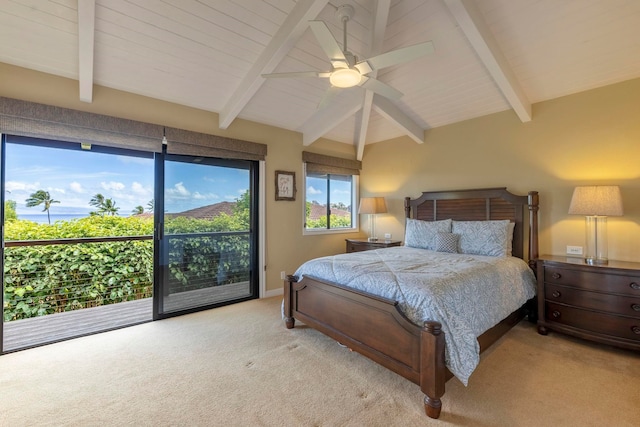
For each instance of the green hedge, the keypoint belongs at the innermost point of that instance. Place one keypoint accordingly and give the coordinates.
(42, 280)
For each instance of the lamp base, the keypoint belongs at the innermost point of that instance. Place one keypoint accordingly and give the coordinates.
(596, 261)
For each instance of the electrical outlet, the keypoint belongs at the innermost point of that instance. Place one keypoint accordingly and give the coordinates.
(387, 236)
(283, 275)
(574, 250)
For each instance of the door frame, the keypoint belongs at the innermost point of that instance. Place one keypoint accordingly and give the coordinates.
(256, 233)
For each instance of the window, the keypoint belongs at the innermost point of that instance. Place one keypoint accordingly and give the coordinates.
(330, 191)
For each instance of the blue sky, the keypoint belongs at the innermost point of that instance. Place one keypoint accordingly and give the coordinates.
(74, 177)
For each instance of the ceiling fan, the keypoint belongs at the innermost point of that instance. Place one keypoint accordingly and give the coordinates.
(346, 70)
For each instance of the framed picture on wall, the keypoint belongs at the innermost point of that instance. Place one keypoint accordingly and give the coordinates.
(285, 185)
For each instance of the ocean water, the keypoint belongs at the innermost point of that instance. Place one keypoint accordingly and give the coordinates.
(42, 218)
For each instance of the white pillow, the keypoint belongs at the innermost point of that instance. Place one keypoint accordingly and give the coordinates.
(422, 234)
(489, 238)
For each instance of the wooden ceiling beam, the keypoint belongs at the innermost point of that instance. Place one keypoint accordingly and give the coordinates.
(472, 23)
(391, 112)
(86, 34)
(380, 17)
(326, 119)
(285, 38)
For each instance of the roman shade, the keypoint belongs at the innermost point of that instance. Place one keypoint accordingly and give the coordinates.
(180, 141)
(24, 118)
(318, 163)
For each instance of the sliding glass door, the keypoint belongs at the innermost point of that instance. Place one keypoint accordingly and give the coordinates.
(206, 242)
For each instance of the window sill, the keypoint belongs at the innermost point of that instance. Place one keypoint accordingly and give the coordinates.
(318, 231)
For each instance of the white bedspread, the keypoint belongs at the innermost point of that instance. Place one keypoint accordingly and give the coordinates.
(467, 294)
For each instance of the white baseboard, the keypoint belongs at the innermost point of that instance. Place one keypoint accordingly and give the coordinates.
(273, 293)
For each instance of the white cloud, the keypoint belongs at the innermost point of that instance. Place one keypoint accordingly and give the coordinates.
(76, 187)
(312, 191)
(56, 190)
(141, 190)
(178, 191)
(21, 186)
(112, 185)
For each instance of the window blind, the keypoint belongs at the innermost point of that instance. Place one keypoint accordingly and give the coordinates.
(319, 163)
(180, 141)
(24, 118)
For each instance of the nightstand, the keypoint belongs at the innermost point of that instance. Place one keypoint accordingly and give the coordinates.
(596, 302)
(357, 245)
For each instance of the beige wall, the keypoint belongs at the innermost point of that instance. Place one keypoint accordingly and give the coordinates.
(286, 247)
(590, 138)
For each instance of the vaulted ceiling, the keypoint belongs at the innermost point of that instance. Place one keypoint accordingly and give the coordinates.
(489, 56)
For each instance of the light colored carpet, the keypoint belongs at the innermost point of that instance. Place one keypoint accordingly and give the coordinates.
(239, 366)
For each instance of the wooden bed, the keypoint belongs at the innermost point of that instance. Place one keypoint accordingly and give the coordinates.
(374, 327)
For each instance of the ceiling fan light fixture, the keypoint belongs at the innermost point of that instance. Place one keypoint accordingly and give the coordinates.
(345, 77)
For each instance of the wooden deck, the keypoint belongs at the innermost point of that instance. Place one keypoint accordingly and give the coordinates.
(35, 331)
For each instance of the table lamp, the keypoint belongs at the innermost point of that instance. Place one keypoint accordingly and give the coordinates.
(596, 202)
(372, 206)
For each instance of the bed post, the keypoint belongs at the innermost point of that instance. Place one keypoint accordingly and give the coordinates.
(407, 207)
(289, 320)
(533, 228)
(432, 367)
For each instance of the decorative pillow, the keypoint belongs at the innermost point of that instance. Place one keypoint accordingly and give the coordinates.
(447, 242)
(422, 234)
(489, 238)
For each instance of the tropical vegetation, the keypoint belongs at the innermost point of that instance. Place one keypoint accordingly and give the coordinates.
(47, 279)
(41, 197)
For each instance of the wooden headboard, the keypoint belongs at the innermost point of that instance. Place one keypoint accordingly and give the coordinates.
(482, 205)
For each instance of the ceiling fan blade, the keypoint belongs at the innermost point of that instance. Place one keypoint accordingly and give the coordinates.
(328, 96)
(297, 74)
(380, 88)
(328, 43)
(398, 56)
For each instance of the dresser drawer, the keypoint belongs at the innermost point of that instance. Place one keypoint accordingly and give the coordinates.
(592, 280)
(615, 304)
(357, 247)
(616, 326)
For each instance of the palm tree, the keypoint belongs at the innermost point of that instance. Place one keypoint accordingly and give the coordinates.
(109, 207)
(150, 205)
(138, 210)
(41, 197)
(97, 201)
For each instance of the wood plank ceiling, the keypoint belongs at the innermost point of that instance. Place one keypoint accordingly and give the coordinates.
(490, 56)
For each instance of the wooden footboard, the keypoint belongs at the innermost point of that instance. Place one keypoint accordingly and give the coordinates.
(374, 327)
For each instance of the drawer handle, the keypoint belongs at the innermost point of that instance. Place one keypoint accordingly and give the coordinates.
(635, 307)
(635, 286)
(556, 294)
(558, 275)
(556, 314)
(636, 330)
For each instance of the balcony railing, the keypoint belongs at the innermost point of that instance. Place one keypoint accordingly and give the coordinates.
(44, 277)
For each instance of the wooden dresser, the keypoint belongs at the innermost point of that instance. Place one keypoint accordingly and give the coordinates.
(357, 245)
(600, 303)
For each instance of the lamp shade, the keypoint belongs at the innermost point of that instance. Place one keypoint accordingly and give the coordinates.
(372, 205)
(603, 200)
